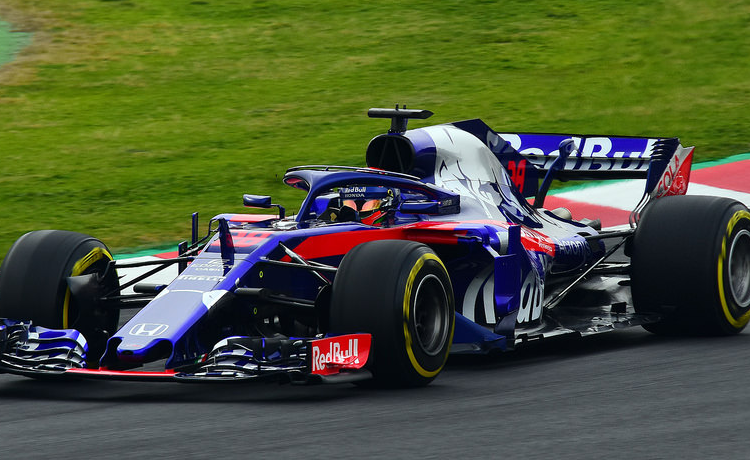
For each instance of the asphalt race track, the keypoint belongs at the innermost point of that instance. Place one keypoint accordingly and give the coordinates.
(616, 395)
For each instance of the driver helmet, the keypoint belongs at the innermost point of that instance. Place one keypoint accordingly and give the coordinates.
(371, 203)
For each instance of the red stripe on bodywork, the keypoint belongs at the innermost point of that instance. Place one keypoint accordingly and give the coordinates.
(245, 238)
(336, 244)
(250, 218)
(531, 239)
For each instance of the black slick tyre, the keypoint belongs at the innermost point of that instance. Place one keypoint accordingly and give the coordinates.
(400, 292)
(691, 265)
(33, 284)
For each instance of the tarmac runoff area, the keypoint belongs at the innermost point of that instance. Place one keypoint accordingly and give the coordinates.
(609, 201)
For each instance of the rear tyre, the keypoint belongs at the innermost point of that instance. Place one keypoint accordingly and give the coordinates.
(400, 292)
(691, 265)
(33, 284)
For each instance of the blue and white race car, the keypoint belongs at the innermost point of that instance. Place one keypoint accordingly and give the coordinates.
(440, 245)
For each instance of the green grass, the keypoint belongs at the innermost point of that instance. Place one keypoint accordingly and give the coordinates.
(123, 117)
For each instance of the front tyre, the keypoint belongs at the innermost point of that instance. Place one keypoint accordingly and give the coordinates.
(400, 292)
(33, 284)
(691, 265)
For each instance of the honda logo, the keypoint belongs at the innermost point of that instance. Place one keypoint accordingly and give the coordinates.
(148, 329)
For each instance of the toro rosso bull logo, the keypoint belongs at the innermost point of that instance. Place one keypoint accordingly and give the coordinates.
(332, 354)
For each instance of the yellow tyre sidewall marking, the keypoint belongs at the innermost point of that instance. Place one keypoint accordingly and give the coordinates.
(79, 267)
(407, 312)
(740, 322)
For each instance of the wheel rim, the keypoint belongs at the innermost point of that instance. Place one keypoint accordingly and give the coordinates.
(430, 313)
(739, 269)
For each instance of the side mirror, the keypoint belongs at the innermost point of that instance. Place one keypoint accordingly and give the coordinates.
(262, 201)
(256, 201)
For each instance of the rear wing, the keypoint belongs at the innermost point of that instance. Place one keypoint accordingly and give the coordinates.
(663, 162)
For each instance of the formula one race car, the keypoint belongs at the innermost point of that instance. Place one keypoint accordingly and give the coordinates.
(441, 244)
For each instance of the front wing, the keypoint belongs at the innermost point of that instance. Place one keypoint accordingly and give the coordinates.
(33, 351)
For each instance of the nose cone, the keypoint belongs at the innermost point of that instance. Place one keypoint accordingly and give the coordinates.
(164, 327)
(154, 331)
